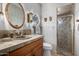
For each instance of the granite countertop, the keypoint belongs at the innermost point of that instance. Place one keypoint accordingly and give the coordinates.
(17, 43)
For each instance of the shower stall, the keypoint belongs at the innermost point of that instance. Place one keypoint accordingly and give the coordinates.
(65, 30)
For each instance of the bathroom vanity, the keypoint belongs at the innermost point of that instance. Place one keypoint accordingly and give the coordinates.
(19, 44)
(23, 47)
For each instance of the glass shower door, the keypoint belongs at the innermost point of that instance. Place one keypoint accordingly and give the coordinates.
(65, 35)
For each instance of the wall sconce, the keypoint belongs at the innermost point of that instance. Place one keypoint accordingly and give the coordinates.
(29, 17)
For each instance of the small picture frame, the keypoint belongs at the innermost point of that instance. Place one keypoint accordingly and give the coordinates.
(50, 18)
(77, 20)
(45, 19)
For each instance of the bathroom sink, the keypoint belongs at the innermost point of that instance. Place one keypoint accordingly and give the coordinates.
(16, 38)
(23, 37)
(6, 40)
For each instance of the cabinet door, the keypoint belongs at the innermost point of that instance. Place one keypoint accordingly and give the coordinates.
(23, 51)
(34, 48)
(38, 51)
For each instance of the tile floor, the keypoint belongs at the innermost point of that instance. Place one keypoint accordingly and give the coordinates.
(55, 53)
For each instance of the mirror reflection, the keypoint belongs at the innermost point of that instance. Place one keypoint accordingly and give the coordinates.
(15, 15)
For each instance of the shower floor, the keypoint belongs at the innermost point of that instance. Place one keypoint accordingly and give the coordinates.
(57, 53)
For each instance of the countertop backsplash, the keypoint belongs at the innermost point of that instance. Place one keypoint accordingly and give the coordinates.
(6, 33)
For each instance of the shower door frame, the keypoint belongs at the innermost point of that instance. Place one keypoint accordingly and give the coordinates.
(73, 31)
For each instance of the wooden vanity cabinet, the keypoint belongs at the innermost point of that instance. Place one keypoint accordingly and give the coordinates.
(38, 51)
(34, 48)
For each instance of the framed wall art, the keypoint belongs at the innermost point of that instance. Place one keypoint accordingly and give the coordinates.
(50, 18)
(45, 19)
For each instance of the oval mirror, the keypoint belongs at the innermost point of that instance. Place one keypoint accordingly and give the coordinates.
(15, 15)
(36, 24)
(35, 19)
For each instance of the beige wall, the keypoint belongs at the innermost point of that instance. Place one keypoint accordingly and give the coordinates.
(76, 29)
(49, 28)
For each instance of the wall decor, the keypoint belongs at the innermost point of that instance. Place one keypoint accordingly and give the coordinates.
(50, 18)
(36, 24)
(45, 19)
(29, 17)
(35, 19)
(77, 20)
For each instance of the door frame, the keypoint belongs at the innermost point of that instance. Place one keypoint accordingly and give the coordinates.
(73, 30)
